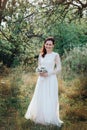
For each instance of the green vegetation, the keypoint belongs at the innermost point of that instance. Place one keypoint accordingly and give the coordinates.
(75, 62)
(25, 25)
(17, 88)
(23, 28)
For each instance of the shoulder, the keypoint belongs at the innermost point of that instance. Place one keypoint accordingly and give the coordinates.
(40, 55)
(56, 54)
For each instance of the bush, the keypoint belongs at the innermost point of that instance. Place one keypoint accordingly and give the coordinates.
(76, 60)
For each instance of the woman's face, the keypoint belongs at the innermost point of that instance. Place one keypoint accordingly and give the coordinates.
(49, 46)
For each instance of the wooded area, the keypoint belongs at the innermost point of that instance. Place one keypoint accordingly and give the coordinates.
(24, 24)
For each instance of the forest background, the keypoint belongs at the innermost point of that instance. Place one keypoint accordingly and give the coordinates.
(24, 24)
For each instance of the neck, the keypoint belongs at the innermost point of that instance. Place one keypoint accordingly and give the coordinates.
(48, 52)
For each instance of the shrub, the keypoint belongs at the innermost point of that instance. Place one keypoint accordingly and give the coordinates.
(75, 61)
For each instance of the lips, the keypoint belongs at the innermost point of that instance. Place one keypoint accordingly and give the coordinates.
(47, 47)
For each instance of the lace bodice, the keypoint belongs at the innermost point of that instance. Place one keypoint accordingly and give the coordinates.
(51, 62)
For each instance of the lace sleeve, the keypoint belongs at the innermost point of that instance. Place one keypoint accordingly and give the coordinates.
(57, 68)
(39, 60)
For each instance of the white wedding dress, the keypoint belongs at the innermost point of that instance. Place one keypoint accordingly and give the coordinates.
(44, 106)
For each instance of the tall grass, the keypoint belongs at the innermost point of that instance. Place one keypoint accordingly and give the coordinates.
(16, 90)
(72, 102)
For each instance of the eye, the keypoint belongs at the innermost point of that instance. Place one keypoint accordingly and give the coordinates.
(49, 44)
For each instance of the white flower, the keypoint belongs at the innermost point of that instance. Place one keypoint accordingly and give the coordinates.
(41, 69)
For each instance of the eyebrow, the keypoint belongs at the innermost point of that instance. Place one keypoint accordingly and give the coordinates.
(49, 43)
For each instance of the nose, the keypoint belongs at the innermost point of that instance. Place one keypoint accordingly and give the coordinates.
(48, 45)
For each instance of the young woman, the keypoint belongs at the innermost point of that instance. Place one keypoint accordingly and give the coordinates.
(44, 106)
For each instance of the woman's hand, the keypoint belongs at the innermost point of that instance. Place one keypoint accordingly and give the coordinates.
(43, 74)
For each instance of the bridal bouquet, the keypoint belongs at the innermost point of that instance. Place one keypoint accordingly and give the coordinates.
(41, 69)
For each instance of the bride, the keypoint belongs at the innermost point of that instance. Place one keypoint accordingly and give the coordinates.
(44, 106)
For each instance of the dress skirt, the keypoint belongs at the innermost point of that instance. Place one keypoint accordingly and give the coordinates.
(44, 106)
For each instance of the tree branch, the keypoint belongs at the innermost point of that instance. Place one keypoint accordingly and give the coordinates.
(2, 7)
(4, 35)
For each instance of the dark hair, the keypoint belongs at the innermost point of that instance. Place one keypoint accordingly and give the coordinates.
(43, 50)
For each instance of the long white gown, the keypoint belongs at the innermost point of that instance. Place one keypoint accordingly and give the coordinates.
(44, 106)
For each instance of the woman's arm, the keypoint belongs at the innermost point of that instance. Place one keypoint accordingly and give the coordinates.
(39, 60)
(57, 69)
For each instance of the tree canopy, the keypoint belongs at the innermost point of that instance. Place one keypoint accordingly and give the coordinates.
(24, 24)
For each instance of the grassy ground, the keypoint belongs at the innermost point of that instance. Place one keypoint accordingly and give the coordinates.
(16, 91)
